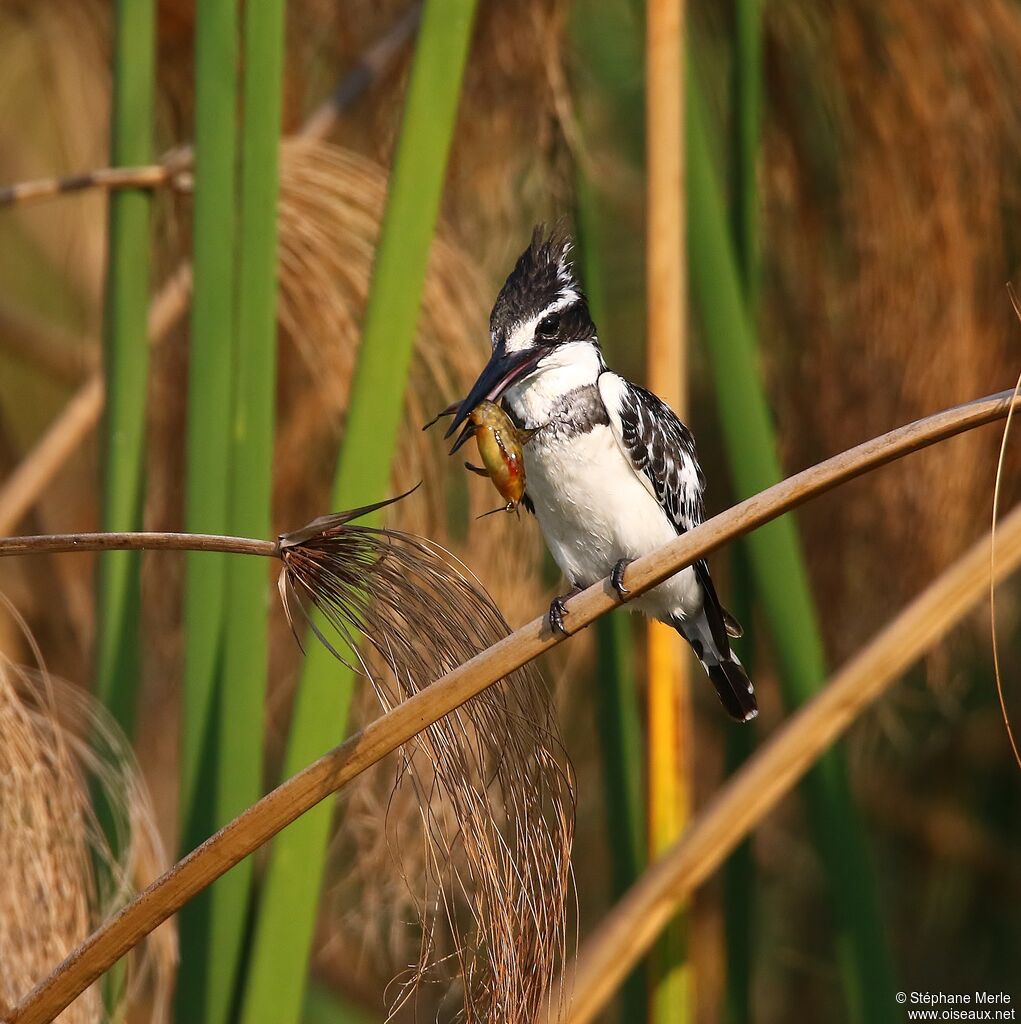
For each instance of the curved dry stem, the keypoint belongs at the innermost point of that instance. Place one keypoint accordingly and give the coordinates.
(632, 926)
(58, 354)
(1004, 712)
(374, 63)
(291, 799)
(62, 543)
(33, 474)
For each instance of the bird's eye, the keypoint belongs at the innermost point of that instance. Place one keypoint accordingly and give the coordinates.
(548, 326)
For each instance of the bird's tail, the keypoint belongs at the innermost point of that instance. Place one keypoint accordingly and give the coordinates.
(724, 669)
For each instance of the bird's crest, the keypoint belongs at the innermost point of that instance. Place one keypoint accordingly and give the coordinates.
(542, 275)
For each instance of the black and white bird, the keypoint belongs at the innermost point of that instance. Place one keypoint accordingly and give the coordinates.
(611, 472)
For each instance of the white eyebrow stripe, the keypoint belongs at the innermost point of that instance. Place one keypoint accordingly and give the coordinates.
(520, 336)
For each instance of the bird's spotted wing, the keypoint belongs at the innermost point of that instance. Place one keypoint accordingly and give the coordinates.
(661, 450)
(659, 447)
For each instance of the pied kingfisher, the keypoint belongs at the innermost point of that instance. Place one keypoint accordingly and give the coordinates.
(610, 471)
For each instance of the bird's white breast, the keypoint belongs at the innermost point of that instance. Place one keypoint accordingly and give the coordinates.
(593, 507)
(594, 510)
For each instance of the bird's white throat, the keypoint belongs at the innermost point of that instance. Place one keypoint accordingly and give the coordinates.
(567, 367)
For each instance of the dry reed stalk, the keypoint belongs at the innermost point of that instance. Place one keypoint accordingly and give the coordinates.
(666, 276)
(670, 758)
(175, 170)
(372, 65)
(287, 802)
(60, 875)
(24, 193)
(632, 926)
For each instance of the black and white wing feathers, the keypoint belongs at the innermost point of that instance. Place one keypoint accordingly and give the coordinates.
(661, 449)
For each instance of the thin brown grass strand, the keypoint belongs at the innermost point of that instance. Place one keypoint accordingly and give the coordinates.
(992, 555)
(494, 790)
(61, 877)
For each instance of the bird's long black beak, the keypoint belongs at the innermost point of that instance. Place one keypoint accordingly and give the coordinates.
(501, 371)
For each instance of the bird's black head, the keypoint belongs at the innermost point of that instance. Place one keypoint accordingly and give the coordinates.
(540, 308)
(541, 302)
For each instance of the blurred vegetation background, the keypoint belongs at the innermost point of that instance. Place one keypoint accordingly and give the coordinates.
(851, 208)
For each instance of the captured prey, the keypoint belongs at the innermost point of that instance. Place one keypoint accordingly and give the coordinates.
(613, 473)
(501, 448)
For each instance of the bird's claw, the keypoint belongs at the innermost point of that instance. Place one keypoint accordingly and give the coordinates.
(557, 611)
(617, 578)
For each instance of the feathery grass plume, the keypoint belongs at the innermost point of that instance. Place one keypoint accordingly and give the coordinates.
(495, 792)
(60, 876)
(330, 208)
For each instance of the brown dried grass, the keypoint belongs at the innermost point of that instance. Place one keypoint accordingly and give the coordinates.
(60, 875)
(888, 179)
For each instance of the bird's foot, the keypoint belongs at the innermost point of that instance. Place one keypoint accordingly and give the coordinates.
(617, 578)
(557, 611)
